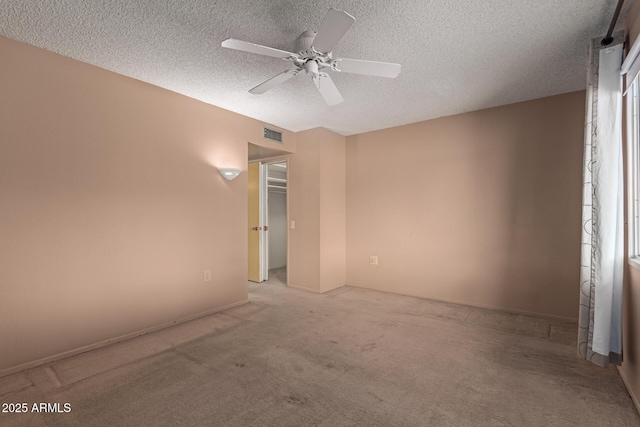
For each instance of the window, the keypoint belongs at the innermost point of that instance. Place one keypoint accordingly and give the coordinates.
(633, 176)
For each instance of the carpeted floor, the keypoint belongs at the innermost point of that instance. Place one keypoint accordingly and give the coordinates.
(349, 357)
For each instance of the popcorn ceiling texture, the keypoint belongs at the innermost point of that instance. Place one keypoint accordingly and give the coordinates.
(456, 55)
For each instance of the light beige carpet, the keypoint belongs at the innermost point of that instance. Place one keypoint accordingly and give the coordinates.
(350, 357)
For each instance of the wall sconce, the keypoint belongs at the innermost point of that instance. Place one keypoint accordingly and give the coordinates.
(229, 173)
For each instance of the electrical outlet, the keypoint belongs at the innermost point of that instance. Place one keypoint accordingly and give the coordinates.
(293, 224)
(373, 260)
(207, 275)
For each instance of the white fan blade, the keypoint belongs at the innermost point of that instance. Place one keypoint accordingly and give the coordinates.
(370, 68)
(328, 89)
(333, 28)
(274, 81)
(255, 48)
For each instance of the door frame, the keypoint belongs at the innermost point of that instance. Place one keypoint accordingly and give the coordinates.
(264, 214)
(264, 224)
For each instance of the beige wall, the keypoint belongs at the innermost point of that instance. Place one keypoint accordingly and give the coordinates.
(111, 206)
(303, 267)
(317, 205)
(333, 211)
(481, 208)
(631, 337)
(630, 369)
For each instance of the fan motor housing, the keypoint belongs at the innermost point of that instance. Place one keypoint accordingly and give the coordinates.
(307, 54)
(304, 41)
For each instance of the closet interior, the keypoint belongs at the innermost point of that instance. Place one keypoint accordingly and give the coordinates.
(277, 217)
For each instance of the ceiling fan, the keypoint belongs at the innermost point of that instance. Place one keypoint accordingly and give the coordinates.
(314, 56)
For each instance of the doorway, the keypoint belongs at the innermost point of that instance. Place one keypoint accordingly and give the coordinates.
(268, 221)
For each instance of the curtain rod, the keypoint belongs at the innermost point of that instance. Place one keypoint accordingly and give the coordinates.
(608, 39)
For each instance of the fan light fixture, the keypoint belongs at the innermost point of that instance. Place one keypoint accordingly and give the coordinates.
(229, 173)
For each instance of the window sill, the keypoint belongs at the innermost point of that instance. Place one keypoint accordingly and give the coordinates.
(635, 262)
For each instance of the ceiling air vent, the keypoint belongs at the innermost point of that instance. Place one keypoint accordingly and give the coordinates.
(273, 135)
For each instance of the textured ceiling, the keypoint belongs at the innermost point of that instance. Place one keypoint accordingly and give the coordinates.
(456, 55)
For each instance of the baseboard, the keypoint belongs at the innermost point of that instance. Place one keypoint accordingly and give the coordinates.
(629, 389)
(332, 289)
(486, 306)
(121, 338)
(302, 288)
(315, 291)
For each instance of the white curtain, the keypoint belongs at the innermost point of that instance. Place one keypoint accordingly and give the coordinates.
(600, 320)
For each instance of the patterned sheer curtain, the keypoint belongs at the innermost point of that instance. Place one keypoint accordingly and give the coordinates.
(600, 320)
